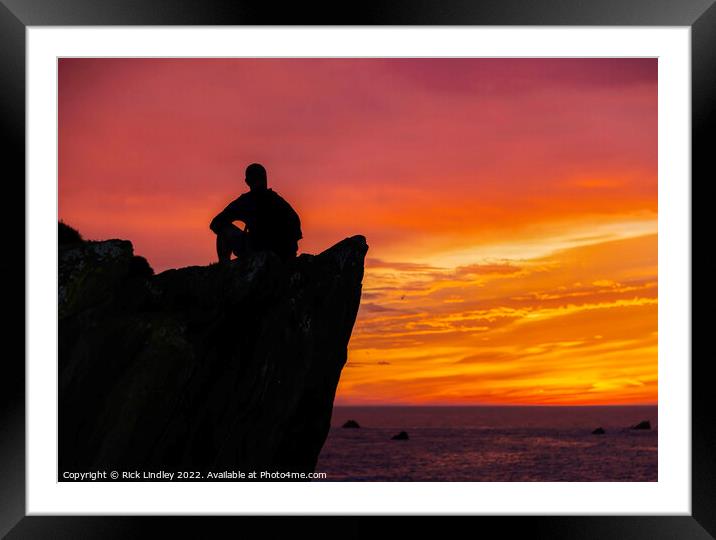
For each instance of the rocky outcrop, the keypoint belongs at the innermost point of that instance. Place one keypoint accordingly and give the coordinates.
(599, 431)
(644, 424)
(351, 424)
(223, 367)
(402, 436)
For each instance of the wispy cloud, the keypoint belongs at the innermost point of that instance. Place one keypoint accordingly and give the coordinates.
(541, 331)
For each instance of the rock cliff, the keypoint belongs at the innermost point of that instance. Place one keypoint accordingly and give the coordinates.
(222, 367)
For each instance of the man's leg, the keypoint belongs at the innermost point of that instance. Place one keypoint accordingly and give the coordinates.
(230, 240)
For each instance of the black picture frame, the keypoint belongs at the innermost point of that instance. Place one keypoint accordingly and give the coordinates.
(16, 15)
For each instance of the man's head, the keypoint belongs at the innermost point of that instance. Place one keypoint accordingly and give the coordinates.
(256, 176)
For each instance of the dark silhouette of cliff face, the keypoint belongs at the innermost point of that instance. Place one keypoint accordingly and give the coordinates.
(214, 368)
(67, 235)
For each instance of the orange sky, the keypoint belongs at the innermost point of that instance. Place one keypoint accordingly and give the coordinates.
(510, 205)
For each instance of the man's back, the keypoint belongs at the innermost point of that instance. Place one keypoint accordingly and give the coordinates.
(275, 226)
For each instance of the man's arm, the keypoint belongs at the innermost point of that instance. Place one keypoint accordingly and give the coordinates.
(221, 220)
(233, 212)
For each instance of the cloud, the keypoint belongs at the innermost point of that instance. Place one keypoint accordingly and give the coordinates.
(401, 266)
(487, 269)
(521, 333)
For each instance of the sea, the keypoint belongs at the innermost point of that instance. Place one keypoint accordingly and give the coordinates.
(491, 444)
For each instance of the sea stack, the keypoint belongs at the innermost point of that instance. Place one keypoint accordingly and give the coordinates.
(402, 436)
(351, 424)
(644, 424)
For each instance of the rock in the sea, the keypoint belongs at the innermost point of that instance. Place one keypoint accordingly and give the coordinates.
(221, 367)
(644, 424)
(402, 436)
(598, 431)
(351, 424)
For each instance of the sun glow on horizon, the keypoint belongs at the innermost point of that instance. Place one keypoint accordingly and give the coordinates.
(537, 331)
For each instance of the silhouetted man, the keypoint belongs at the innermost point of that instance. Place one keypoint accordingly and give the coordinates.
(271, 223)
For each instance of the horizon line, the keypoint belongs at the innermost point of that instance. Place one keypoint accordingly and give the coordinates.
(497, 405)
